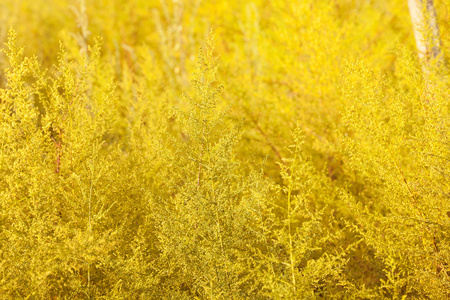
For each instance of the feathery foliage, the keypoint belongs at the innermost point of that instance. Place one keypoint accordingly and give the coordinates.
(313, 163)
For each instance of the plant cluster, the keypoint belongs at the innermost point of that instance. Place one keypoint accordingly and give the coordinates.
(313, 163)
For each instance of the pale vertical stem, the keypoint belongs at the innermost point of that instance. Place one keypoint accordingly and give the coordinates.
(80, 12)
(89, 281)
(291, 246)
(219, 228)
(90, 220)
(201, 157)
(265, 236)
(91, 187)
(83, 23)
(426, 32)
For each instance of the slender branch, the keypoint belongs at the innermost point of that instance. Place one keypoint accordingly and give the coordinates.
(268, 142)
(291, 246)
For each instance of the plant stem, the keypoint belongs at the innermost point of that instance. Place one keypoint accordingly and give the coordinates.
(291, 248)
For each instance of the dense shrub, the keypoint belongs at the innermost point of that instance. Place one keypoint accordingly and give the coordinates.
(301, 153)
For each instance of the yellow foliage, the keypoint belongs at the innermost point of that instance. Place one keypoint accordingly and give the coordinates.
(221, 150)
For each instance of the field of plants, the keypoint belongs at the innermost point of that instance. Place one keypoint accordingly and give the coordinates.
(264, 149)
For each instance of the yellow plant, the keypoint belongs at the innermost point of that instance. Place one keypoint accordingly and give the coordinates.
(302, 153)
